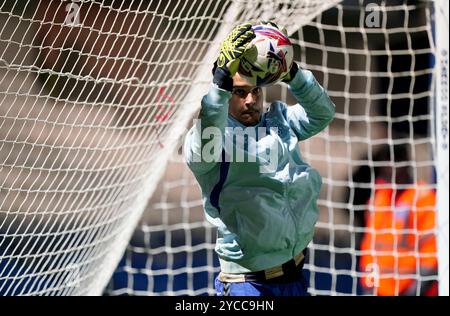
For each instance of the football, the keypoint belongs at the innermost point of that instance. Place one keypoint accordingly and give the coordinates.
(268, 57)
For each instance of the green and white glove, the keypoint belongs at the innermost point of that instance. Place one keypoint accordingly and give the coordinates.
(234, 46)
(292, 72)
(231, 49)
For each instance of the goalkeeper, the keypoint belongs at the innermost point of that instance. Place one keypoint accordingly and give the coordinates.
(265, 220)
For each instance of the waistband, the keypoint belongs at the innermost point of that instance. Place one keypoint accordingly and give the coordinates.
(288, 269)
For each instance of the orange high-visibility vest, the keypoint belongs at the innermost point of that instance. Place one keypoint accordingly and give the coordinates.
(400, 239)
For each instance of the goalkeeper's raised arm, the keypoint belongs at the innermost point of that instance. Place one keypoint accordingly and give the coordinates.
(314, 109)
(256, 189)
(215, 105)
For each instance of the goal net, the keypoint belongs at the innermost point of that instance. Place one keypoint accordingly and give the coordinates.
(95, 97)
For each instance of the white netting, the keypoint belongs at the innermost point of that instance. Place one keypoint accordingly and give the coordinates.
(94, 96)
(381, 78)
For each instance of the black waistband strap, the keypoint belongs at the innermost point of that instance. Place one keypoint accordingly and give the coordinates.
(285, 272)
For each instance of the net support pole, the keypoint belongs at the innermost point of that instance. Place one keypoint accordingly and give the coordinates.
(442, 142)
(203, 76)
(193, 101)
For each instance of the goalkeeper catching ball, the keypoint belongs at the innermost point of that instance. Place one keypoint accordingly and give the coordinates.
(265, 207)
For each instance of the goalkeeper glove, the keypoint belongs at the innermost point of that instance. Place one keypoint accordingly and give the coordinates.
(231, 49)
(294, 68)
(292, 72)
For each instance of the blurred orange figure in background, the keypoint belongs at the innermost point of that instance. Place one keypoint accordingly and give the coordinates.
(400, 237)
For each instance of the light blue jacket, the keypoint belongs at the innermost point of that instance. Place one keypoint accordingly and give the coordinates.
(263, 218)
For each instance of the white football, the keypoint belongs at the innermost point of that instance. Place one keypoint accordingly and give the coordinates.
(268, 57)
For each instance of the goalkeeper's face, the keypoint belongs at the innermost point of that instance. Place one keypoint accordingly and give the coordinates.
(246, 103)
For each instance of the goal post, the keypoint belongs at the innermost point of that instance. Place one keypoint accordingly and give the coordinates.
(96, 96)
(442, 142)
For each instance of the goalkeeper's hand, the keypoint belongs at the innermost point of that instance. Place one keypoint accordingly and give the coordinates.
(231, 49)
(291, 74)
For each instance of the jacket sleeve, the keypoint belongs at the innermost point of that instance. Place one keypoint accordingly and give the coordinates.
(314, 110)
(203, 143)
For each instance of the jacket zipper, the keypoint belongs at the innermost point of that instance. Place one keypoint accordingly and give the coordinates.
(290, 211)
